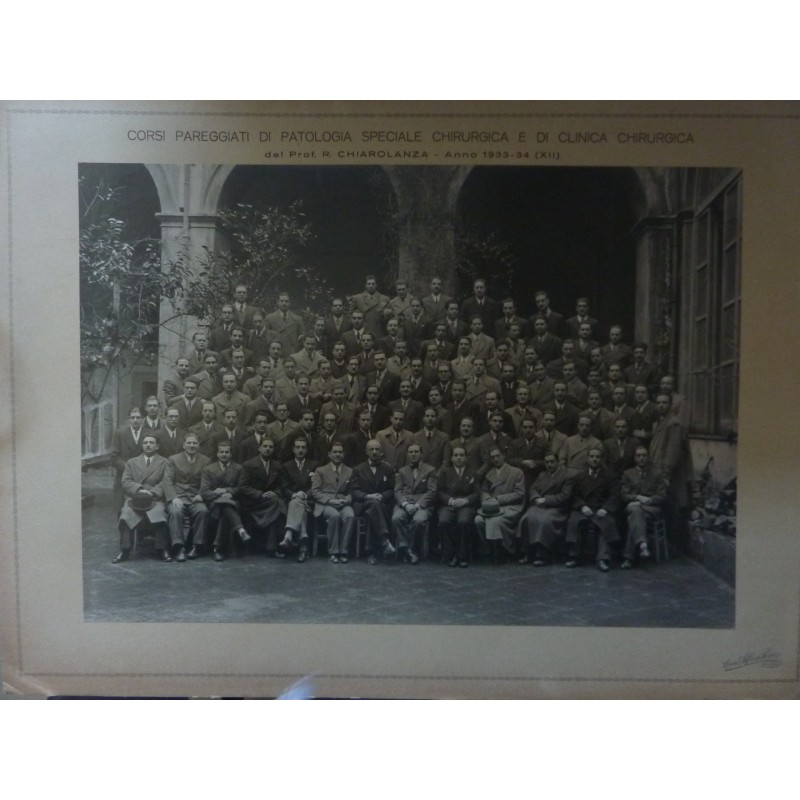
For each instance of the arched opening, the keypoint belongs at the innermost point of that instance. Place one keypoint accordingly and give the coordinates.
(569, 231)
(349, 210)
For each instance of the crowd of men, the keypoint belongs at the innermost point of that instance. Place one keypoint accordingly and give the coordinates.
(429, 426)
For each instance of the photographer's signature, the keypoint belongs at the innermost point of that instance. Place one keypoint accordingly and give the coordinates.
(768, 658)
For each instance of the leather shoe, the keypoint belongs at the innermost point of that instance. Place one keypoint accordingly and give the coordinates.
(343, 559)
(463, 563)
(388, 548)
(166, 557)
(218, 556)
(285, 545)
(123, 555)
(244, 535)
(334, 559)
(573, 562)
(193, 553)
(539, 562)
(302, 556)
(181, 555)
(372, 561)
(603, 566)
(523, 560)
(453, 562)
(412, 557)
(644, 552)
(626, 564)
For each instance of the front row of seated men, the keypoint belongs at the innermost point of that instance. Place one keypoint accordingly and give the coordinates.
(193, 502)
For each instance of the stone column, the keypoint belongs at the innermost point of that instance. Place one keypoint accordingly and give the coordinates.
(189, 195)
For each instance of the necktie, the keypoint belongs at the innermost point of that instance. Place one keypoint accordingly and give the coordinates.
(147, 461)
(414, 474)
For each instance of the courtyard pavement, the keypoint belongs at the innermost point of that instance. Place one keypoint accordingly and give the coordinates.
(678, 593)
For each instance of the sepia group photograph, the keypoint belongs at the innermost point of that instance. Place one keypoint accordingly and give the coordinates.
(419, 400)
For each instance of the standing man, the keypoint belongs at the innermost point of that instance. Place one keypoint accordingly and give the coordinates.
(479, 305)
(242, 310)
(207, 430)
(142, 480)
(188, 404)
(553, 319)
(432, 441)
(401, 302)
(125, 444)
(182, 477)
(395, 440)
(284, 325)
(331, 493)
(230, 398)
(173, 386)
(170, 437)
(335, 324)
(371, 303)
(435, 304)
(373, 493)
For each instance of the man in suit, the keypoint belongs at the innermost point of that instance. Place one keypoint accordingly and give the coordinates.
(419, 386)
(352, 338)
(412, 409)
(354, 383)
(231, 434)
(230, 398)
(331, 491)
(342, 409)
(431, 440)
(415, 326)
(151, 422)
(459, 495)
(125, 444)
(644, 492)
(415, 499)
(373, 495)
(582, 317)
(548, 437)
(545, 520)
(286, 384)
(302, 401)
(620, 406)
(576, 388)
(479, 305)
(307, 360)
(480, 383)
(641, 370)
(173, 386)
(401, 302)
(445, 381)
(188, 404)
(463, 363)
(445, 348)
(219, 488)
(666, 443)
(242, 310)
(355, 443)
(501, 360)
(459, 407)
(469, 442)
(388, 384)
(602, 419)
(435, 304)
(249, 446)
(644, 415)
(182, 477)
(280, 430)
(482, 346)
(389, 342)
(264, 402)
(502, 501)
(491, 403)
(555, 369)
(454, 326)
(502, 326)
(252, 386)
(395, 440)
(258, 338)
(170, 437)
(239, 366)
(208, 379)
(380, 413)
(616, 351)
(594, 503)
(526, 452)
(553, 319)
(142, 479)
(260, 492)
(574, 453)
(371, 303)
(296, 492)
(566, 414)
(284, 325)
(336, 323)
(197, 355)
(517, 414)
(495, 438)
(444, 419)
(400, 363)
(322, 385)
(619, 450)
(219, 338)
(206, 430)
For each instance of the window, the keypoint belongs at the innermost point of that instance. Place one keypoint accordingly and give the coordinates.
(716, 301)
(98, 429)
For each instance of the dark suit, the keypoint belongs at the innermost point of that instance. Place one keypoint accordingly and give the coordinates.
(566, 417)
(597, 492)
(433, 447)
(436, 308)
(378, 513)
(618, 459)
(457, 525)
(333, 333)
(296, 480)
(650, 483)
(543, 524)
(234, 439)
(188, 416)
(520, 450)
(340, 521)
(355, 448)
(554, 320)
(389, 388)
(266, 512)
(489, 311)
(207, 438)
(286, 331)
(573, 325)
(380, 415)
(296, 407)
(169, 445)
(220, 337)
(413, 413)
(124, 446)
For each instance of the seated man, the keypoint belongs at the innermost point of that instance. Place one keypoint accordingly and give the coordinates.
(260, 493)
(644, 491)
(144, 499)
(373, 493)
(502, 500)
(331, 493)
(219, 488)
(182, 476)
(594, 503)
(458, 498)
(415, 497)
(296, 487)
(546, 519)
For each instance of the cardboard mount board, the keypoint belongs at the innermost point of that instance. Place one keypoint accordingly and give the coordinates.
(51, 642)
